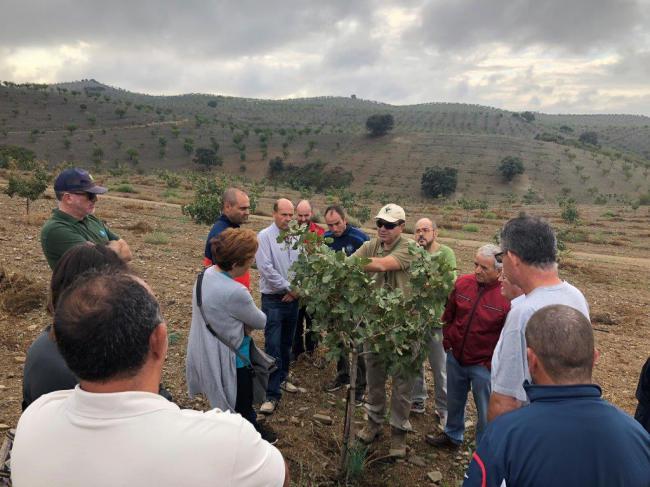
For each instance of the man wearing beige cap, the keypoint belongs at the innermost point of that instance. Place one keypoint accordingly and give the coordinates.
(390, 261)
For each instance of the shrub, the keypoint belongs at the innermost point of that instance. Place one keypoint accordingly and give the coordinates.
(207, 203)
(31, 188)
(380, 124)
(23, 158)
(510, 167)
(156, 238)
(470, 228)
(437, 181)
(124, 188)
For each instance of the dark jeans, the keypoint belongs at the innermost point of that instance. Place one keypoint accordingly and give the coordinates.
(304, 340)
(343, 371)
(280, 328)
(244, 401)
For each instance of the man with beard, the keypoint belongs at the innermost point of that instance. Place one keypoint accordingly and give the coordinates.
(426, 235)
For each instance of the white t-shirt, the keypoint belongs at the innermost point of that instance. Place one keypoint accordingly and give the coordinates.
(76, 438)
(509, 361)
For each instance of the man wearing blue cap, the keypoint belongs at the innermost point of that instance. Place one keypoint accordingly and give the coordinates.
(73, 221)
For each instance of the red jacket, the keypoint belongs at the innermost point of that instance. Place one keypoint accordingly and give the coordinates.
(473, 318)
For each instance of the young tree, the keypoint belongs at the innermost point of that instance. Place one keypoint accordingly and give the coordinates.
(510, 167)
(439, 181)
(31, 188)
(206, 207)
(379, 125)
(350, 311)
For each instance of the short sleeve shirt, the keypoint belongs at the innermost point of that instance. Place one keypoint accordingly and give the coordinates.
(62, 232)
(509, 361)
(399, 279)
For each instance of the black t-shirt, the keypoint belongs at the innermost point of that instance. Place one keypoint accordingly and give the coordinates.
(45, 370)
(642, 414)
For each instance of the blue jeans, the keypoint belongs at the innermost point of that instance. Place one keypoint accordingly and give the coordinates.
(459, 380)
(281, 319)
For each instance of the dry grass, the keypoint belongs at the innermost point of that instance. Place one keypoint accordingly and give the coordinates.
(140, 227)
(20, 294)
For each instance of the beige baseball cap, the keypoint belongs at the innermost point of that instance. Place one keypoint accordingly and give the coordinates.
(391, 213)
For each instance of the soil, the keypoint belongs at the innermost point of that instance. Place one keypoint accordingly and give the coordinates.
(617, 288)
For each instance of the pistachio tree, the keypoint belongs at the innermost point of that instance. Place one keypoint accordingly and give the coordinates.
(350, 311)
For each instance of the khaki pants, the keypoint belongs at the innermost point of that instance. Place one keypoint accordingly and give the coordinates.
(400, 401)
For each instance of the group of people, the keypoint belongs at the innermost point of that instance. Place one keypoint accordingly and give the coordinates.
(513, 332)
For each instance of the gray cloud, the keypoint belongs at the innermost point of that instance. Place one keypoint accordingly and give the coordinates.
(576, 25)
(578, 56)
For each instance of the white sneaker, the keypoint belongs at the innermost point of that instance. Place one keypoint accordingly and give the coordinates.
(268, 407)
(288, 387)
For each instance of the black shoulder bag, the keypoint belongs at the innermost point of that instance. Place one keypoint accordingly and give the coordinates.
(261, 364)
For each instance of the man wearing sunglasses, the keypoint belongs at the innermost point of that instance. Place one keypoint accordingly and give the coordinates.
(529, 255)
(73, 221)
(390, 261)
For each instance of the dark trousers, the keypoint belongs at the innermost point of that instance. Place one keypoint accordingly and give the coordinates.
(343, 371)
(304, 340)
(280, 328)
(244, 401)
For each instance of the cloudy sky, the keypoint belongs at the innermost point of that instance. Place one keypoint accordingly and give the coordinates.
(556, 56)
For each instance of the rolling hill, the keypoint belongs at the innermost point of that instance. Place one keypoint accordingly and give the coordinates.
(95, 125)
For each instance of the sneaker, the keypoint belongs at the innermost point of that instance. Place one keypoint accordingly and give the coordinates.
(418, 407)
(268, 407)
(288, 387)
(359, 401)
(370, 432)
(441, 440)
(397, 443)
(267, 434)
(336, 385)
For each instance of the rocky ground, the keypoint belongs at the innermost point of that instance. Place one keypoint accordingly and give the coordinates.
(168, 250)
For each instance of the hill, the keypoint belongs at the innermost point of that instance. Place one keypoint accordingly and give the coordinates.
(92, 124)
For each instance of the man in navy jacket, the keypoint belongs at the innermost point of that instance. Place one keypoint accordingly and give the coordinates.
(568, 435)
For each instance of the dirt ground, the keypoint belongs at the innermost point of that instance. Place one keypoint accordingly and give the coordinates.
(616, 286)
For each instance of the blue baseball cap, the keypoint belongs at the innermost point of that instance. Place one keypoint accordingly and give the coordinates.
(77, 180)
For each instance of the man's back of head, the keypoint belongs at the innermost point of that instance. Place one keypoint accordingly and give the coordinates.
(562, 341)
(532, 239)
(103, 323)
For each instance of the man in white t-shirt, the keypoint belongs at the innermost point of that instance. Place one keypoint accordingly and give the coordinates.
(529, 254)
(113, 428)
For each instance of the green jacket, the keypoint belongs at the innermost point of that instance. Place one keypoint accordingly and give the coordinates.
(62, 231)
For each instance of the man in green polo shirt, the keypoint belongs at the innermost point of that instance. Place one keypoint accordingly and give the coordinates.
(390, 262)
(73, 221)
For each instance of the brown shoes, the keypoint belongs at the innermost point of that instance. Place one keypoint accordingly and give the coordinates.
(441, 440)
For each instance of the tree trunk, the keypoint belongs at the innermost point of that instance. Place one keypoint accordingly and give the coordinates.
(349, 412)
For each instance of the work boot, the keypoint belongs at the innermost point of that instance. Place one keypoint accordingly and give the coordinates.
(397, 443)
(370, 432)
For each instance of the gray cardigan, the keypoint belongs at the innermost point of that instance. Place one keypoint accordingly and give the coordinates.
(210, 365)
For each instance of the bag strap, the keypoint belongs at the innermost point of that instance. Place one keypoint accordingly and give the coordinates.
(199, 302)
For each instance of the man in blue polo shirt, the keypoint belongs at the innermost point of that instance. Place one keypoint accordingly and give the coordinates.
(568, 435)
(235, 211)
(348, 239)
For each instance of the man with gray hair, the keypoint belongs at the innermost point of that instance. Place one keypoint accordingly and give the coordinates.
(568, 435)
(529, 254)
(474, 316)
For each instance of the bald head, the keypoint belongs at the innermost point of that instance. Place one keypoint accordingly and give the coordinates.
(303, 212)
(426, 233)
(561, 340)
(282, 213)
(236, 205)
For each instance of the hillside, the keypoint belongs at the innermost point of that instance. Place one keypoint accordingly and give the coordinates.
(95, 125)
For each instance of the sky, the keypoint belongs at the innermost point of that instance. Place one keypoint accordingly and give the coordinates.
(552, 56)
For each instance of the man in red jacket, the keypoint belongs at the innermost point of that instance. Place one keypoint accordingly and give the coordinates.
(474, 316)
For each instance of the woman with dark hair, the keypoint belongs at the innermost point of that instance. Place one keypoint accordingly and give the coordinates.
(212, 367)
(45, 370)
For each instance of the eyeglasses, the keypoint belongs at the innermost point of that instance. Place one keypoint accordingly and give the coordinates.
(90, 196)
(499, 257)
(386, 225)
